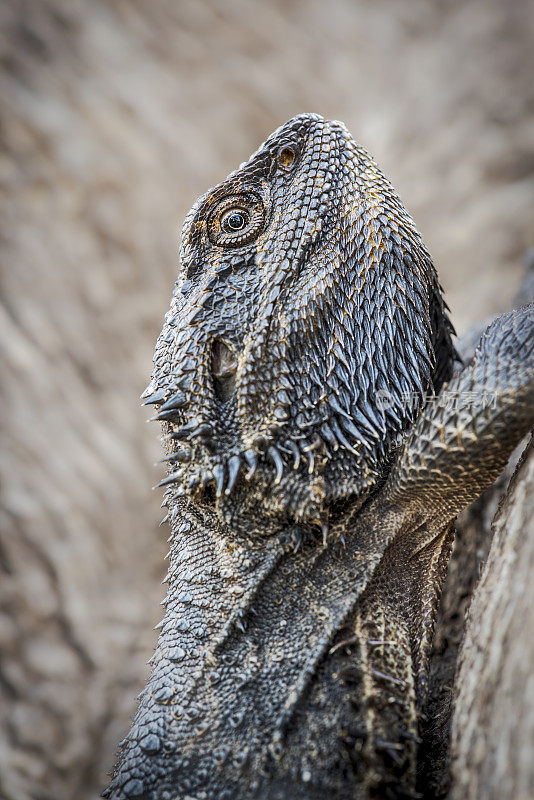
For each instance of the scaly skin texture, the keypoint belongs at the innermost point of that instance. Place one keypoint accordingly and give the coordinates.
(317, 463)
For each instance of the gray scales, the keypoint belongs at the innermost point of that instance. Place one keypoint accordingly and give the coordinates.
(319, 449)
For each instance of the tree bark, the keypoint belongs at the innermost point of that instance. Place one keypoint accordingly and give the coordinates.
(493, 720)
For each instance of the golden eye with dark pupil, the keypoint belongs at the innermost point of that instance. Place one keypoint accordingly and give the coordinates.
(234, 221)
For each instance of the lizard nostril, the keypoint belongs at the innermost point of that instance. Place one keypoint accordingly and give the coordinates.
(223, 368)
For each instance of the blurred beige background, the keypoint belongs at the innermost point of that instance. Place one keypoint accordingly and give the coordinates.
(116, 114)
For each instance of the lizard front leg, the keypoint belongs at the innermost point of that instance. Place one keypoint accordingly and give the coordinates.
(458, 447)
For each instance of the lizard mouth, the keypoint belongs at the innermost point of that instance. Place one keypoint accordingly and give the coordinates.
(223, 369)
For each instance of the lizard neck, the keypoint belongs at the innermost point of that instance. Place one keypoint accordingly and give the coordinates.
(249, 623)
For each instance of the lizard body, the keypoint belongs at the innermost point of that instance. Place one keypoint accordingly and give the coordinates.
(319, 452)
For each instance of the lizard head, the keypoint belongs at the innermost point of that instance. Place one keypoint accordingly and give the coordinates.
(305, 330)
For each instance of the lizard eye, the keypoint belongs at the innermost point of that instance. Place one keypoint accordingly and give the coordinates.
(286, 158)
(236, 220)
